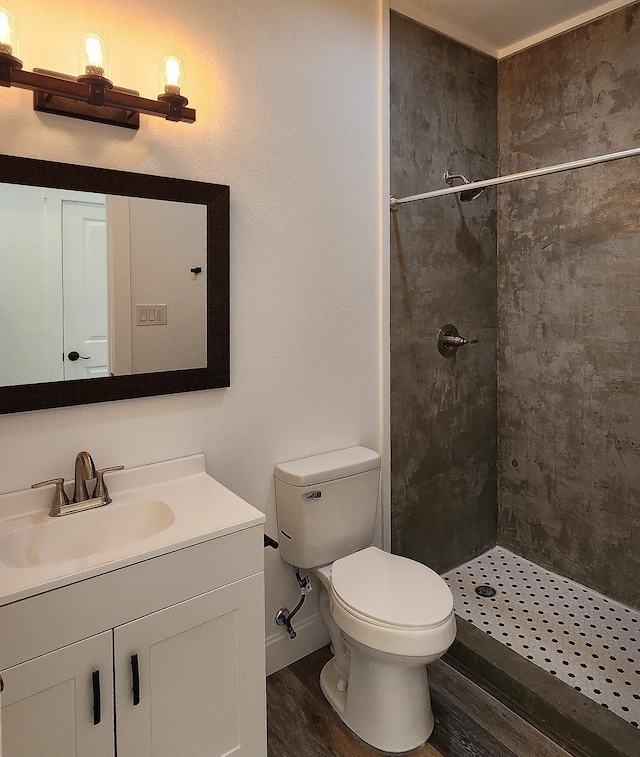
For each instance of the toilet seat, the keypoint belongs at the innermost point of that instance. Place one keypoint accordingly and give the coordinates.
(392, 604)
(391, 591)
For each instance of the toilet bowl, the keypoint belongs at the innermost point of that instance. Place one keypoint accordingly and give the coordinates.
(389, 617)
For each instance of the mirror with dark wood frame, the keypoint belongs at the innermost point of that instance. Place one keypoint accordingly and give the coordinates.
(182, 228)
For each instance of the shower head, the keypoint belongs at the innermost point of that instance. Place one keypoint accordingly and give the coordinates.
(465, 196)
(470, 194)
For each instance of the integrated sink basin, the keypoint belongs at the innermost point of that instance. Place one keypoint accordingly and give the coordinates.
(156, 509)
(72, 537)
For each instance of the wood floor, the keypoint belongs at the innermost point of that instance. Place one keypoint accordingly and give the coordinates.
(470, 722)
(300, 722)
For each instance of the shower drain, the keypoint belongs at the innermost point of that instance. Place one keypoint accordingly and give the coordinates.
(485, 591)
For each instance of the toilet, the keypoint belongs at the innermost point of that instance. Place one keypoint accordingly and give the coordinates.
(388, 616)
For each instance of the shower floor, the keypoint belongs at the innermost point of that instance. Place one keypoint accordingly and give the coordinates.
(584, 638)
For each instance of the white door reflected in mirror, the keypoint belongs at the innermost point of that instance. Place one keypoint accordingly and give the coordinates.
(84, 290)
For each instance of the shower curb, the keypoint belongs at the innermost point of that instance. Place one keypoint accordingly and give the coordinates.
(555, 708)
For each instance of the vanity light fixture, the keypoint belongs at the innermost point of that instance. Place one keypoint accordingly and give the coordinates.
(91, 95)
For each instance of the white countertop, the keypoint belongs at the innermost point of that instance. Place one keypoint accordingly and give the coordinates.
(203, 510)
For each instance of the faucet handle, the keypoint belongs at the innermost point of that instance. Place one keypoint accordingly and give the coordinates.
(60, 498)
(101, 488)
(449, 340)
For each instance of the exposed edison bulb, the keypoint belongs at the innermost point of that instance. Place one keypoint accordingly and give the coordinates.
(7, 32)
(94, 51)
(172, 70)
(93, 55)
(172, 76)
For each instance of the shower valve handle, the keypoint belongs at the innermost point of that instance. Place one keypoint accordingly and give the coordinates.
(450, 341)
(457, 341)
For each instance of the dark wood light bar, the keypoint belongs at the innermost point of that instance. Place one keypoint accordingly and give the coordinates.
(92, 98)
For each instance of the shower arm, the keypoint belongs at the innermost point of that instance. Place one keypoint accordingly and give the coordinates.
(449, 177)
(558, 168)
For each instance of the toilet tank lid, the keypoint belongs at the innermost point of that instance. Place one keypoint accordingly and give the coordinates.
(328, 466)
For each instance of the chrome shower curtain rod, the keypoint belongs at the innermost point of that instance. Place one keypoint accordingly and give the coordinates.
(396, 202)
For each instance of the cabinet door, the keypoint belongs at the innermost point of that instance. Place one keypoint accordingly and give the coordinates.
(190, 680)
(61, 704)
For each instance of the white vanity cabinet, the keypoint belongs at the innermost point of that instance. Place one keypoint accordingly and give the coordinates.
(195, 692)
(177, 642)
(50, 708)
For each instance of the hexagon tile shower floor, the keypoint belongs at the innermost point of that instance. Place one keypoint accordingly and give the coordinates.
(584, 638)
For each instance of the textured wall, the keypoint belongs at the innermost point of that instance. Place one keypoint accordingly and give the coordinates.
(569, 316)
(274, 83)
(443, 411)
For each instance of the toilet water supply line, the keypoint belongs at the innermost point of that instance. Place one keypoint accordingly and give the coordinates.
(283, 616)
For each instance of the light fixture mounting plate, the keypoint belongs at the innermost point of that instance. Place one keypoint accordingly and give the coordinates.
(44, 102)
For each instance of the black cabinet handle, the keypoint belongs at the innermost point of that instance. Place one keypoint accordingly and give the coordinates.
(97, 709)
(135, 676)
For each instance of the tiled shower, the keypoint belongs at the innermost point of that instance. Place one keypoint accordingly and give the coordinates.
(587, 640)
(529, 440)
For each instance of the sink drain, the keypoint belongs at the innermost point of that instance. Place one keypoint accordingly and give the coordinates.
(485, 591)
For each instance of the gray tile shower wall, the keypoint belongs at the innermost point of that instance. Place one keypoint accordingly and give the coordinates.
(443, 411)
(568, 308)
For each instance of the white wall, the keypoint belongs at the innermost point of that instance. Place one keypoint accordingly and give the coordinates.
(23, 324)
(289, 99)
(167, 239)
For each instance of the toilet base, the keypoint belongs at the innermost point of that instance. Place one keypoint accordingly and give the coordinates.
(385, 704)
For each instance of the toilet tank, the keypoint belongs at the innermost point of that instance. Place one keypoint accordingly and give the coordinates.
(327, 505)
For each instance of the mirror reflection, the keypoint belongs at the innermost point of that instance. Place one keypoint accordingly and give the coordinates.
(98, 285)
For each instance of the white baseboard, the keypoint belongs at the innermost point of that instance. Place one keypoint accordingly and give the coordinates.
(282, 651)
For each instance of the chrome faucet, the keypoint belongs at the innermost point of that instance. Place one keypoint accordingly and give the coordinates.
(85, 471)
